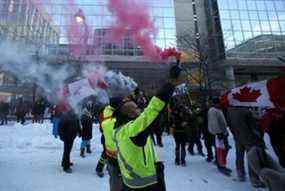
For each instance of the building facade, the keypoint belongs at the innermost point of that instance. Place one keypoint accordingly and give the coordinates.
(24, 21)
(254, 36)
(124, 55)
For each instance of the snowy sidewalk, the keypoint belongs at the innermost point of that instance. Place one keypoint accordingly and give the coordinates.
(30, 160)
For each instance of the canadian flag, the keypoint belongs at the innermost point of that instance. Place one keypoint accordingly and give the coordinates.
(269, 94)
(221, 152)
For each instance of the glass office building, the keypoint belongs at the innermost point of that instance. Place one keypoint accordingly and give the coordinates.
(23, 22)
(99, 19)
(253, 26)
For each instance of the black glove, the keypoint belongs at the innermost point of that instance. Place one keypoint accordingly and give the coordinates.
(165, 92)
(175, 72)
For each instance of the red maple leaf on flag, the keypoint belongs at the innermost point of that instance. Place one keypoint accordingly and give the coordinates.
(246, 94)
(224, 101)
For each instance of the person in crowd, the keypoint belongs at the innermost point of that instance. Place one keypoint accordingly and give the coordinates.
(21, 110)
(36, 111)
(43, 106)
(276, 132)
(243, 126)
(103, 158)
(4, 111)
(217, 126)
(69, 128)
(209, 139)
(55, 115)
(195, 122)
(107, 127)
(86, 135)
(178, 131)
(270, 173)
(136, 156)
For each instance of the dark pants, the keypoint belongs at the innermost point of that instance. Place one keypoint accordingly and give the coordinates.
(66, 153)
(159, 186)
(264, 167)
(195, 139)
(115, 180)
(277, 143)
(209, 141)
(21, 118)
(180, 142)
(240, 154)
(103, 158)
(4, 119)
(149, 188)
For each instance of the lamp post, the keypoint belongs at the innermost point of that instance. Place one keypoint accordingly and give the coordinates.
(81, 20)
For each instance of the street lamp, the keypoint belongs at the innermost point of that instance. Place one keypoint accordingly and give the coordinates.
(79, 17)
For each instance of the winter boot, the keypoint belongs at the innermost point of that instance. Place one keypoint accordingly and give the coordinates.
(224, 171)
(100, 167)
(82, 152)
(177, 158)
(67, 170)
(100, 174)
(88, 149)
(190, 150)
(183, 163)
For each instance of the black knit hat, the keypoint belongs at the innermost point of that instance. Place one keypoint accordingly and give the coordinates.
(175, 71)
(116, 102)
(215, 100)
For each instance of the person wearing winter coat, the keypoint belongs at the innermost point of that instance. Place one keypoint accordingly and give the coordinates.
(217, 126)
(38, 111)
(243, 126)
(86, 135)
(21, 110)
(209, 139)
(270, 173)
(276, 132)
(138, 163)
(69, 128)
(194, 128)
(178, 129)
(4, 111)
(55, 115)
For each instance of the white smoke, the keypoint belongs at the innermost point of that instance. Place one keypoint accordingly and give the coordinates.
(19, 61)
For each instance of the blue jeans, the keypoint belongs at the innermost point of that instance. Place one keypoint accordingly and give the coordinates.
(55, 122)
(84, 143)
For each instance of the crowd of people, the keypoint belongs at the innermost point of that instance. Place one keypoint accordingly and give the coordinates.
(131, 125)
(22, 110)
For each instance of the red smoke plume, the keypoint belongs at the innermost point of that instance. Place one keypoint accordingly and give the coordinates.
(170, 52)
(132, 20)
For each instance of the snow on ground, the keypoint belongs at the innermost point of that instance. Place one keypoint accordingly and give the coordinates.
(30, 159)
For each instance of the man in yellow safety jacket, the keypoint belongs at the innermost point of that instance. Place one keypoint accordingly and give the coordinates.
(107, 126)
(136, 155)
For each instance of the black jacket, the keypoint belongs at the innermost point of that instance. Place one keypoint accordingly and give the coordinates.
(69, 127)
(4, 108)
(86, 122)
(179, 120)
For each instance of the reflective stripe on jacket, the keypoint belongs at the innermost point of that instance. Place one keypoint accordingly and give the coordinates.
(137, 163)
(107, 126)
